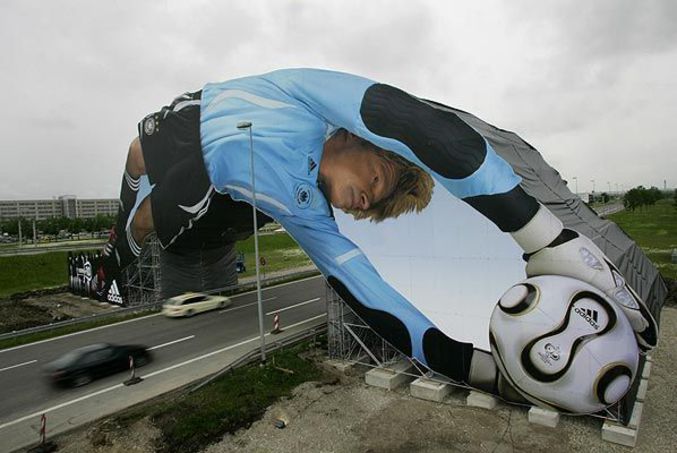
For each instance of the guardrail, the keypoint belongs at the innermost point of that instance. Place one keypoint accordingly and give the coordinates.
(121, 311)
(609, 209)
(255, 354)
(29, 249)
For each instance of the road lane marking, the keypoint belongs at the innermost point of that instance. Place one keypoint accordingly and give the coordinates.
(140, 318)
(246, 305)
(59, 406)
(78, 333)
(293, 306)
(18, 365)
(209, 354)
(171, 342)
(154, 373)
(323, 315)
(237, 308)
(278, 286)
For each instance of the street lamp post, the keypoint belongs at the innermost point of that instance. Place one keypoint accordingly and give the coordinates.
(244, 125)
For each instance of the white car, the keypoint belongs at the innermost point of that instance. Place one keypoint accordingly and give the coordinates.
(188, 304)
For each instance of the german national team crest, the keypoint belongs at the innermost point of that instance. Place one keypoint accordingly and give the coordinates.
(149, 125)
(303, 195)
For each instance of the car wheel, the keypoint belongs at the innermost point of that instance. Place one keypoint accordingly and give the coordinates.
(222, 304)
(82, 379)
(189, 313)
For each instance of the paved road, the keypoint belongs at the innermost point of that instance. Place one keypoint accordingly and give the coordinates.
(183, 349)
(609, 209)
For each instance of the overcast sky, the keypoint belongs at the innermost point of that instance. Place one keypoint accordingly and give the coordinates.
(592, 85)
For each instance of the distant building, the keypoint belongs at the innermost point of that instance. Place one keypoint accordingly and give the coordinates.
(585, 196)
(64, 206)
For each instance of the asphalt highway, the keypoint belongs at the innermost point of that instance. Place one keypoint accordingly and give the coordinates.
(176, 345)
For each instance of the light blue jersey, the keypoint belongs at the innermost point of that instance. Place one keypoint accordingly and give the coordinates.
(292, 113)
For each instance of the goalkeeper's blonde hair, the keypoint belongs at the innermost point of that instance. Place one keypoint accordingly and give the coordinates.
(412, 192)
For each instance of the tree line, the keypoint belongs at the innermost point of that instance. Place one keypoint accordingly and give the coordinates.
(640, 196)
(54, 226)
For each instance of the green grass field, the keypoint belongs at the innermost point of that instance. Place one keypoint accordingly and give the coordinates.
(279, 250)
(654, 228)
(31, 272)
(45, 270)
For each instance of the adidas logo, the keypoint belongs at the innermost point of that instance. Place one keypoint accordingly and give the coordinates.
(590, 315)
(311, 164)
(113, 295)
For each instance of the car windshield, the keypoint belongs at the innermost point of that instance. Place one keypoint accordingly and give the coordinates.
(185, 300)
(76, 354)
(68, 358)
(195, 299)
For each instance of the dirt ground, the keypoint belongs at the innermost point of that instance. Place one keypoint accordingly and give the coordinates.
(36, 310)
(346, 415)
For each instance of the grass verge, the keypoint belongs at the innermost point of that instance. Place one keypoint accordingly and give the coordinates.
(30, 272)
(654, 229)
(279, 250)
(191, 421)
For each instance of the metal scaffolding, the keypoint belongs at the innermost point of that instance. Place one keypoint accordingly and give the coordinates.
(350, 339)
(143, 279)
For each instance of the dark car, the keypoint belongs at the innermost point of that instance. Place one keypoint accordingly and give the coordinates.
(81, 366)
(239, 263)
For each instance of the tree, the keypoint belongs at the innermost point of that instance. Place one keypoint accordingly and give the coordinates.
(10, 226)
(633, 198)
(653, 195)
(640, 196)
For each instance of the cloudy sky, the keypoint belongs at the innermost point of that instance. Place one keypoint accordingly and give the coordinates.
(592, 85)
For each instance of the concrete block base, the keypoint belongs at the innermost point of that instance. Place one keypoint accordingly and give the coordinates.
(543, 417)
(426, 389)
(646, 370)
(624, 435)
(619, 434)
(636, 416)
(642, 389)
(479, 399)
(389, 378)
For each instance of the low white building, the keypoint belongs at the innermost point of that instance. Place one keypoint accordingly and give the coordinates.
(64, 206)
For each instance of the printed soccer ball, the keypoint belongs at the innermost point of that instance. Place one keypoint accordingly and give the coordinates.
(563, 344)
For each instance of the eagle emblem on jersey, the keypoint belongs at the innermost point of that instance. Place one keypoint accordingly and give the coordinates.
(303, 195)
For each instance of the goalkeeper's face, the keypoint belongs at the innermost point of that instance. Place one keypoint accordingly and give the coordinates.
(356, 178)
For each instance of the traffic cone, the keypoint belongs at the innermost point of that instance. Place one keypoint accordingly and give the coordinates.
(133, 378)
(276, 324)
